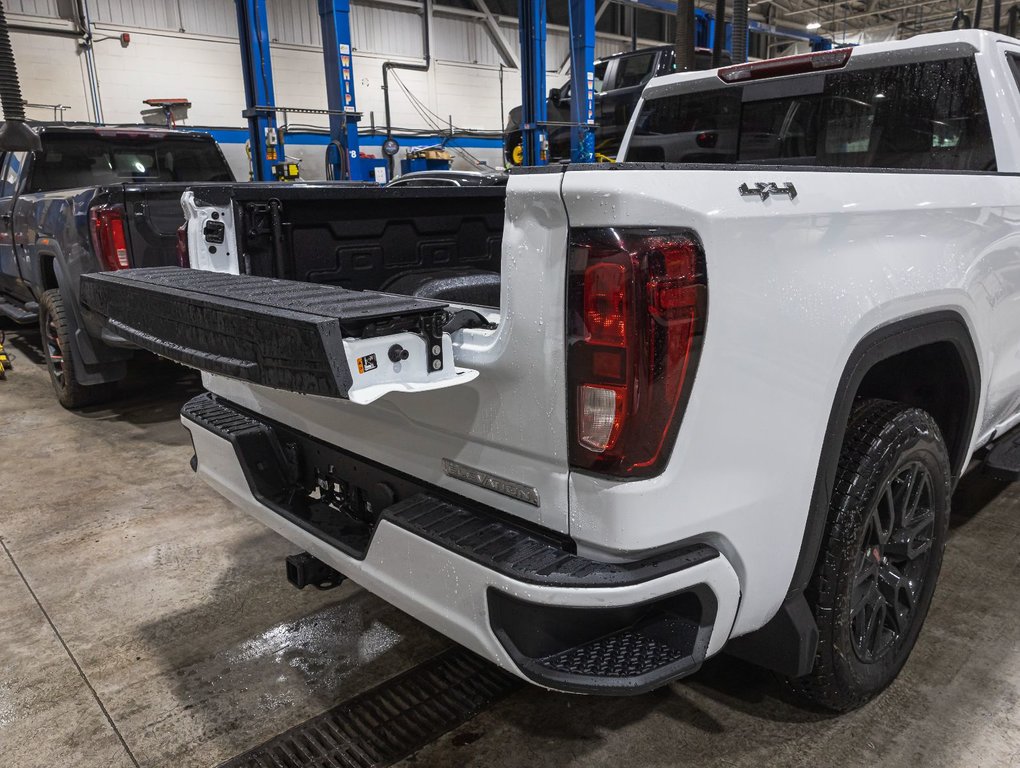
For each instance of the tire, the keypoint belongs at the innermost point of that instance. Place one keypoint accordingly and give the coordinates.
(881, 553)
(58, 351)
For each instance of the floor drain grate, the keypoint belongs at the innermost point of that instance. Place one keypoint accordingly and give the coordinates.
(391, 721)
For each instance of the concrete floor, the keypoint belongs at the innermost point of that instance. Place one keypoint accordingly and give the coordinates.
(144, 621)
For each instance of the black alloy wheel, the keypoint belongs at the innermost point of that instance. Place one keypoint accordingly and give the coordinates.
(881, 553)
(893, 558)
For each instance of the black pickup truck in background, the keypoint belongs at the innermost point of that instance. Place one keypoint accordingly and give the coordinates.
(619, 81)
(93, 199)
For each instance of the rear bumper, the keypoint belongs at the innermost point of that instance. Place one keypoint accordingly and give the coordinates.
(548, 616)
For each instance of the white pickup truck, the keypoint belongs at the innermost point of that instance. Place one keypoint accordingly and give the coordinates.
(605, 422)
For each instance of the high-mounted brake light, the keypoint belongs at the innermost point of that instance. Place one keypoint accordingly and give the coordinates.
(786, 65)
(638, 301)
(109, 238)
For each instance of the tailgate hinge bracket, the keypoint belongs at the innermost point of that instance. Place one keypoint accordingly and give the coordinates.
(432, 332)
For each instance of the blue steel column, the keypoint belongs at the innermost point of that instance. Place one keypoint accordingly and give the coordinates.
(335, 16)
(257, 68)
(533, 112)
(704, 26)
(582, 80)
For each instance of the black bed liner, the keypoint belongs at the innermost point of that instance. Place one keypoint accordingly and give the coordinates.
(279, 333)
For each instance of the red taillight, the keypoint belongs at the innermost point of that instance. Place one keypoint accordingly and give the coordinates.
(183, 257)
(707, 139)
(638, 300)
(786, 65)
(108, 236)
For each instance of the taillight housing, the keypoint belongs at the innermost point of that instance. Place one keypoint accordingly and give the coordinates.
(109, 237)
(183, 257)
(637, 304)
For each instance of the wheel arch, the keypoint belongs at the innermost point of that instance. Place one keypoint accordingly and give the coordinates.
(874, 368)
(46, 267)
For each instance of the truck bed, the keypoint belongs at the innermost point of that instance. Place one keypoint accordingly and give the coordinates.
(398, 239)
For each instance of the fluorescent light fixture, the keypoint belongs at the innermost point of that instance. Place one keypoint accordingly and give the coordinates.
(814, 25)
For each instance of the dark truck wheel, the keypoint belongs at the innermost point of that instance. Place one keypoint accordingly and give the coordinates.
(886, 532)
(56, 344)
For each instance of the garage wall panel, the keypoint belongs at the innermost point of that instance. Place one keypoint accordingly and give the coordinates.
(206, 72)
(147, 14)
(463, 39)
(49, 8)
(295, 21)
(50, 70)
(393, 31)
(209, 17)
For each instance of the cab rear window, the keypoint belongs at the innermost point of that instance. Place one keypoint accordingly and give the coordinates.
(923, 116)
(70, 162)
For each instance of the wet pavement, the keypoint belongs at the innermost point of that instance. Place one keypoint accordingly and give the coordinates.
(145, 621)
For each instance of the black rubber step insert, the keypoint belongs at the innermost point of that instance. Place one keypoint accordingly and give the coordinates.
(606, 649)
(628, 652)
(280, 333)
(391, 721)
(1003, 461)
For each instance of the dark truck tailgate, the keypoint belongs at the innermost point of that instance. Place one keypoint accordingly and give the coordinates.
(301, 337)
(153, 214)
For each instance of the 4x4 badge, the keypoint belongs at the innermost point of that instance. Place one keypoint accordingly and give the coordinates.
(765, 188)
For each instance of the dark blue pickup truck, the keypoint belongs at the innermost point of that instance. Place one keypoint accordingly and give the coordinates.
(92, 199)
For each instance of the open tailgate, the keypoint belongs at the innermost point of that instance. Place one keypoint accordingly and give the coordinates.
(289, 335)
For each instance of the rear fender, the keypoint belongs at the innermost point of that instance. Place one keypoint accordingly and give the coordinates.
(787, 642)
(93, 361)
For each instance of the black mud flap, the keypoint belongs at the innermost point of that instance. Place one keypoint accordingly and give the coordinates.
(301, 337)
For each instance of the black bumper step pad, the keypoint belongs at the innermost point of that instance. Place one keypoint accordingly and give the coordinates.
(529, 556)
(279, 333)
(606, 649)
(389, 722)
(629, 652)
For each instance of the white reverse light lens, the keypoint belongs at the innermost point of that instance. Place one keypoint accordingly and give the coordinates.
(598, 414)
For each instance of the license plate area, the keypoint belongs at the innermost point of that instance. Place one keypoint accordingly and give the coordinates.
(335, 495)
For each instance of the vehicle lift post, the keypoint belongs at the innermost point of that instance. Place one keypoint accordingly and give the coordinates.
(345, 154)
(259, 98)
(582, 81)
(533, 108)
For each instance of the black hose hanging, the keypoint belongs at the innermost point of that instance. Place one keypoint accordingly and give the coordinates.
(10, 86)
(1012, 17)
(996, 15)
(388, 65)
(719, 38)
(961, 19)
(15, 135)
(739, 53)
(684, 42)
(977, 13)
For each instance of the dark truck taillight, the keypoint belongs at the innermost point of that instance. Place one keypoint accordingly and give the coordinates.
(183, 258)
(636, 316)
(109, 238)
